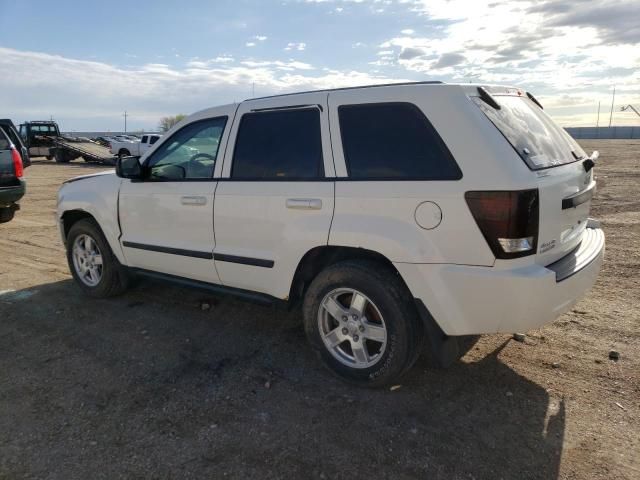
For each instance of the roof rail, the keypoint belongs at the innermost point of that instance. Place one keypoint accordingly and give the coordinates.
(429, 82)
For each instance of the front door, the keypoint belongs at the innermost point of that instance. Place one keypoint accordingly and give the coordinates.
(167, 219)
(274, 201)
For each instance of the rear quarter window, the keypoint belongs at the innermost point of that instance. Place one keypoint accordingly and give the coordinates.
(4, 141)
(393, 141)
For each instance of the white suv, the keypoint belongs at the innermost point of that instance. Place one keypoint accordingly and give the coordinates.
(401, 216)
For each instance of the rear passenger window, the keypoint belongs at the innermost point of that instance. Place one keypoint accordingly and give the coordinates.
(279, 145)
(393, 141)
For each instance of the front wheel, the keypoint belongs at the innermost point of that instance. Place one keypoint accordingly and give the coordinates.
(360, 320)
(92, 263)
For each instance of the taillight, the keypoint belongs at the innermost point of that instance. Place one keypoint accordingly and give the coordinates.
(508, 220)
(17, 162)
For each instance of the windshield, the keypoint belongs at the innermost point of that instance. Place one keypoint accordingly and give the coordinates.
(537, 139)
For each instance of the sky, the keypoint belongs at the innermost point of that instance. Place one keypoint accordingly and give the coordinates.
(84, 63)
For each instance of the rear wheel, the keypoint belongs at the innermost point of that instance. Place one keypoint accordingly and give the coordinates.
(123, 153)
(361, 321)
(61, 156)
(92, 263)
(6, 214)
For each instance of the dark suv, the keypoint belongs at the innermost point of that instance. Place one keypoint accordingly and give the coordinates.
(12, 185)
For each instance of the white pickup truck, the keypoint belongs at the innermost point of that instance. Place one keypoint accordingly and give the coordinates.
(136, 149)
(399, 217)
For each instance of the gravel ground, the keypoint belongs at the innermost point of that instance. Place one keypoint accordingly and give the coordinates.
(149, 385)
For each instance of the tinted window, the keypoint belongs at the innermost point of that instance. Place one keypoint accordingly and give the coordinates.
(4, 141)
(279, 145)
(393, 141)
(153, 140)
(13, 136)
(537, 139)
(190, 153)
(144, 139)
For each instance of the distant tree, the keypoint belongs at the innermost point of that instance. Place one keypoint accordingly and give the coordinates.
(167, 122)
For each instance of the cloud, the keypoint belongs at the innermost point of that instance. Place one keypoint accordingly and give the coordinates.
(615, 21)
(296, 46)
(407, 31)
(449, 60)
(250, 44)
(407, 53)
(86, 95)
(260, 38)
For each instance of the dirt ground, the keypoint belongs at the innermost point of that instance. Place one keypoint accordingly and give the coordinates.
(148, 385)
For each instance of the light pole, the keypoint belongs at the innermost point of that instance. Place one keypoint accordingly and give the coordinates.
(125, 115)
(613, 99)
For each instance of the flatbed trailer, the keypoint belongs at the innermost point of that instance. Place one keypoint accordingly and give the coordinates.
(43, 138)
(65, 149)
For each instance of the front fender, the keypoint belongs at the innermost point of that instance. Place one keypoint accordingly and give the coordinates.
(97, 196)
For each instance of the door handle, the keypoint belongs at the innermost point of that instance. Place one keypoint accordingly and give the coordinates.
(191, 200)
(304, 203)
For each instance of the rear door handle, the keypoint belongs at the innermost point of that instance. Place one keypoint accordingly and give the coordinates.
(304, 203)
(193, 200)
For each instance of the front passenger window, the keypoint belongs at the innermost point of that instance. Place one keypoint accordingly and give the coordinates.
(190, 153)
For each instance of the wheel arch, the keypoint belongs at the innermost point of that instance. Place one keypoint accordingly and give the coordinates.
(72, 216)
(318, 258)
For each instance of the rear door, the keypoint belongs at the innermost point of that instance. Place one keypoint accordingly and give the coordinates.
(275, 200)
(565, 186)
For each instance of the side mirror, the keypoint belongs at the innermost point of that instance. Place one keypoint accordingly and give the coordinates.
(129, 167)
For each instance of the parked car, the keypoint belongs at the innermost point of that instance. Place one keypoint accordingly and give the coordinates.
(136, 149)
(12, 184)
(7, 126)
(400, 216)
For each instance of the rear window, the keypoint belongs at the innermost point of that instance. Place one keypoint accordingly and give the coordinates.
(393, 141)
(539, 141)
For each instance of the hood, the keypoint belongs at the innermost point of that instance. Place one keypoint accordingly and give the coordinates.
(92, 175)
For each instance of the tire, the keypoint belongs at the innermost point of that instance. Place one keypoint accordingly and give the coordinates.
(388, 305)
(107, 281)
(61, 156)
(7, 214)
(49, 157)
(123, 153)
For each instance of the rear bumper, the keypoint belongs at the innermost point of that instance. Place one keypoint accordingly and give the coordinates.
(10, 195)
(467, 300)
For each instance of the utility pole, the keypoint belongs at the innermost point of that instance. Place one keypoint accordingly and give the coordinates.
(125, 115)
(598, 120)
(253, 90)
(613, 99)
